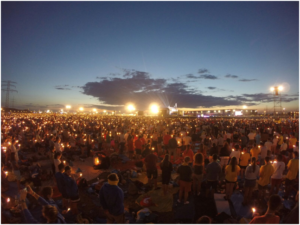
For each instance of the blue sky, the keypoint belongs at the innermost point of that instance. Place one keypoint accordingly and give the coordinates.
(106, 54)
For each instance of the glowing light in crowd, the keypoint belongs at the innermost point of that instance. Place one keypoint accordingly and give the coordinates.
(253, 210)
(104, 111)
(94, 110)
(68, 107)
(48, 111)
(131, 107)
(245, 107)
(154, 108)
(81, 108)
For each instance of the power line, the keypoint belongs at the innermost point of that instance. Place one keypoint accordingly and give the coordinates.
(8, 84)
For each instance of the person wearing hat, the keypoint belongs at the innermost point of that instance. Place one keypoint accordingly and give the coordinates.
(112, 200)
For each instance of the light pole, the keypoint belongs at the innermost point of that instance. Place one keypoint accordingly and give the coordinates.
(277, 104)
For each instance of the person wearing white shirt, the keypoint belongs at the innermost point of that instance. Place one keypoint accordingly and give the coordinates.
(251, 137)
(236, 153)
(268, 144)
(283, 147)
(276, 178)
(251, 174)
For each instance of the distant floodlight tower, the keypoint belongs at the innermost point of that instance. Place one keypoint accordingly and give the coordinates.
(277, 98)
(8, 84)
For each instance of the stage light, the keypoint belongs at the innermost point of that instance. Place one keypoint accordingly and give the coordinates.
(94, 110)
(81, 108)
(280, 88)
(131, 107)
(154, 108)
(68, 107)
(272, 88)
(245, 107)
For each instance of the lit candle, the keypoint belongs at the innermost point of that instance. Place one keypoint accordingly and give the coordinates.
(233, 149)
(294, 146)
(275, 161)
(64, 161)
(242, 153)
(8, 200)
(259, 146)
(153, 148)
(81, 174)
(6, 173)
(69, 209)
(253, 210)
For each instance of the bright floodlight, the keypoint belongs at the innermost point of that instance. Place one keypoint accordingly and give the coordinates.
(94, 110)
(48, 110)
(104, 111)
(154, 108)
(131, 107)
(245, 107)
(280, 88)
(68, 107)
(272, 88)
(81, 108)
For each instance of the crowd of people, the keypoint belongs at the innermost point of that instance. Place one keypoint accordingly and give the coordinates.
(261, 153)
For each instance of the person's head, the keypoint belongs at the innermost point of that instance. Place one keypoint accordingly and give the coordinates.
(204, 220)
(274, 203)
(269, 153)
(253, 160)
(61, 167)
(47, 193)
(57, 155)
(236, 147)
(113, 179)
(233, 163)
(199, 158)
(186, 159)
(68, 170)
(279, 158)
(295, 155)
(267, 159)
(215, 157)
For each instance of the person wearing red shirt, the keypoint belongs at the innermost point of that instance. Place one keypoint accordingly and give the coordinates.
(138, 148)
(152, 174)
(188, 152)
(274, 204)
(166, 139)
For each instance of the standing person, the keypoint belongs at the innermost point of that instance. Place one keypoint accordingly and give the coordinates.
(283, 147)
(60, 181)
(51, 158)
(231, 174)
(57, 157)
(138, 148)
(173, 148)
(185, 181)
(167, 168)
(198, 173)
(188, 152)
(265, 173)
(244, 141)
(251, 137)
(235, 152)
(276, 178)
(257, 138)
(270, 217)
(224, 155)
(112, 200)
(212, 151)
(244, 161)
(150, 162)
(71, 189)
(130, 147)
(166, 139)
(293, 169)
(251, 174)
(263, 154)
(213, 174)
(255, 151)
(268, 144)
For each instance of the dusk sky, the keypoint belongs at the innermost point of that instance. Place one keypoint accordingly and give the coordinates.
(103, 55)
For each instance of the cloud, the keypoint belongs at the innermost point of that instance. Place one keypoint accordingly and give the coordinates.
(102, 78)
(262, 98)
(201, 71)
(231, 76)
(139, 88)
(211, 88)
(208, 76)
(63, 87)
(247, 80)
